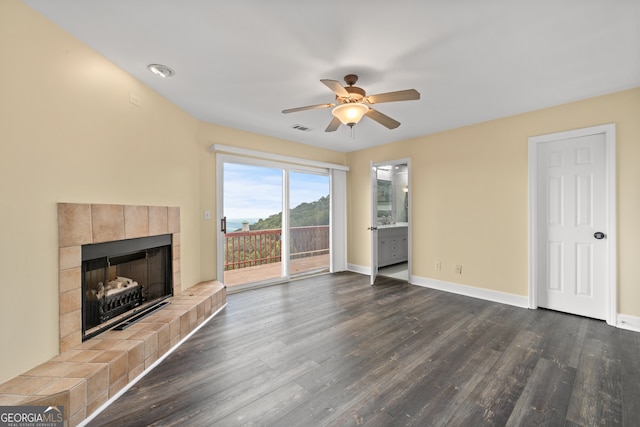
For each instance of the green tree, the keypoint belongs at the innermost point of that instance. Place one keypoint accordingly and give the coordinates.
(305, 214)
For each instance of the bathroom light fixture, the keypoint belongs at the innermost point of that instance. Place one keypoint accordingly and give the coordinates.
(161, 70)
(350, 113)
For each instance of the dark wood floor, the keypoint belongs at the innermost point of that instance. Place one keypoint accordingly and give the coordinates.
(332, 350)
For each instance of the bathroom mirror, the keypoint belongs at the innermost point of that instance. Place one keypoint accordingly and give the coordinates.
(393, 186)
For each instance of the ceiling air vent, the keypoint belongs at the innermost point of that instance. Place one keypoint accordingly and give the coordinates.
(302, 128)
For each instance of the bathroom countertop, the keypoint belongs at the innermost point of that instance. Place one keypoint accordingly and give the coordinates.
(396, 225)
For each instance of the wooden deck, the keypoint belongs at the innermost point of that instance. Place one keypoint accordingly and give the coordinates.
(273, 270)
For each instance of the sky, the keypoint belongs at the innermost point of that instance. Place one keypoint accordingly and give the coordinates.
(256, 192)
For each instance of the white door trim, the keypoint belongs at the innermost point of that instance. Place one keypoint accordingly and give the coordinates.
(374, 216)
(373, 222)
(609, 131)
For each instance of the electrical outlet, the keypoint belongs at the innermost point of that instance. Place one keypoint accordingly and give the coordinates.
(459, 269)
(438, 265)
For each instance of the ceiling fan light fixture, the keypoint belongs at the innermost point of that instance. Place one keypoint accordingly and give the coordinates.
(161, 70)
(350, 113)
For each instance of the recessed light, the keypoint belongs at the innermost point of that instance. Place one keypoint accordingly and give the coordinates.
(161, 70)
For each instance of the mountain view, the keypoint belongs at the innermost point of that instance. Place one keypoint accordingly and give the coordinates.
(264, 247)
(305, 214)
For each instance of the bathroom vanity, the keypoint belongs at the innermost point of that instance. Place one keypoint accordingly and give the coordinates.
(392, 244)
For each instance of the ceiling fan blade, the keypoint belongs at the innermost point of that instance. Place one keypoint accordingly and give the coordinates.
(336, 87)
(401, 95)
(383, 119)
(308, 107)
(333, 125)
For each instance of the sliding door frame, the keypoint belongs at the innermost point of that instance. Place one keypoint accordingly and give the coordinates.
(337, 193)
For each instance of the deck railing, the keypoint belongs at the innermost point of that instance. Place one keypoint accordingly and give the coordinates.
(251, 248)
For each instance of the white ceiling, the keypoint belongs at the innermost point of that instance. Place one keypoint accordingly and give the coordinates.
(238, 63)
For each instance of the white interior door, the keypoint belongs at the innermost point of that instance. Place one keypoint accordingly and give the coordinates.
(374, 222)
(572, 228)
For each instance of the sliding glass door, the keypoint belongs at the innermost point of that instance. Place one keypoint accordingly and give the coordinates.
(309, 213)
(252, 217)
(274, 221)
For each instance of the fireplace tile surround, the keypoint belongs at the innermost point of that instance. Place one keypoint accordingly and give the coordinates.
(83, 224)
(85, 375)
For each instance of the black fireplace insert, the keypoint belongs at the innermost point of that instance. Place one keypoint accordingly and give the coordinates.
(122, 279)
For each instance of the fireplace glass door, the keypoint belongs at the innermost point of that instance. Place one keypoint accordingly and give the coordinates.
(121, 282)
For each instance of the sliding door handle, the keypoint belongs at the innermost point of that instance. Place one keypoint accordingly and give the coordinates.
(223, 224)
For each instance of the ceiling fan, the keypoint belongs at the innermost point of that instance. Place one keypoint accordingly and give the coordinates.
(352, 103)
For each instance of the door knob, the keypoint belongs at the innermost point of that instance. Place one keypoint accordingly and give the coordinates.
(599, 235)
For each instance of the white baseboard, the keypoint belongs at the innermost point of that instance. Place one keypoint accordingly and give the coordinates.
(470, 291)
(359, 269)
(455, 288)
(625, 321)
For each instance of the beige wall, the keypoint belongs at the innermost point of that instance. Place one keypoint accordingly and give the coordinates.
(469, 196)
(68, 133)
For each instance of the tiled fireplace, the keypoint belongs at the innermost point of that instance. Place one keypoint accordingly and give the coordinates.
(86, 374)
(84, 224)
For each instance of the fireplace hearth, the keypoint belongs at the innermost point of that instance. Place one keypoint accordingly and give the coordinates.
(122, 279)
(83, 225)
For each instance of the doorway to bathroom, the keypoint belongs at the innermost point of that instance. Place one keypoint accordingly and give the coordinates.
(390, 219)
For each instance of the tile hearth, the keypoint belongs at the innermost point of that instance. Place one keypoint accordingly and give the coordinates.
(85, 375)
